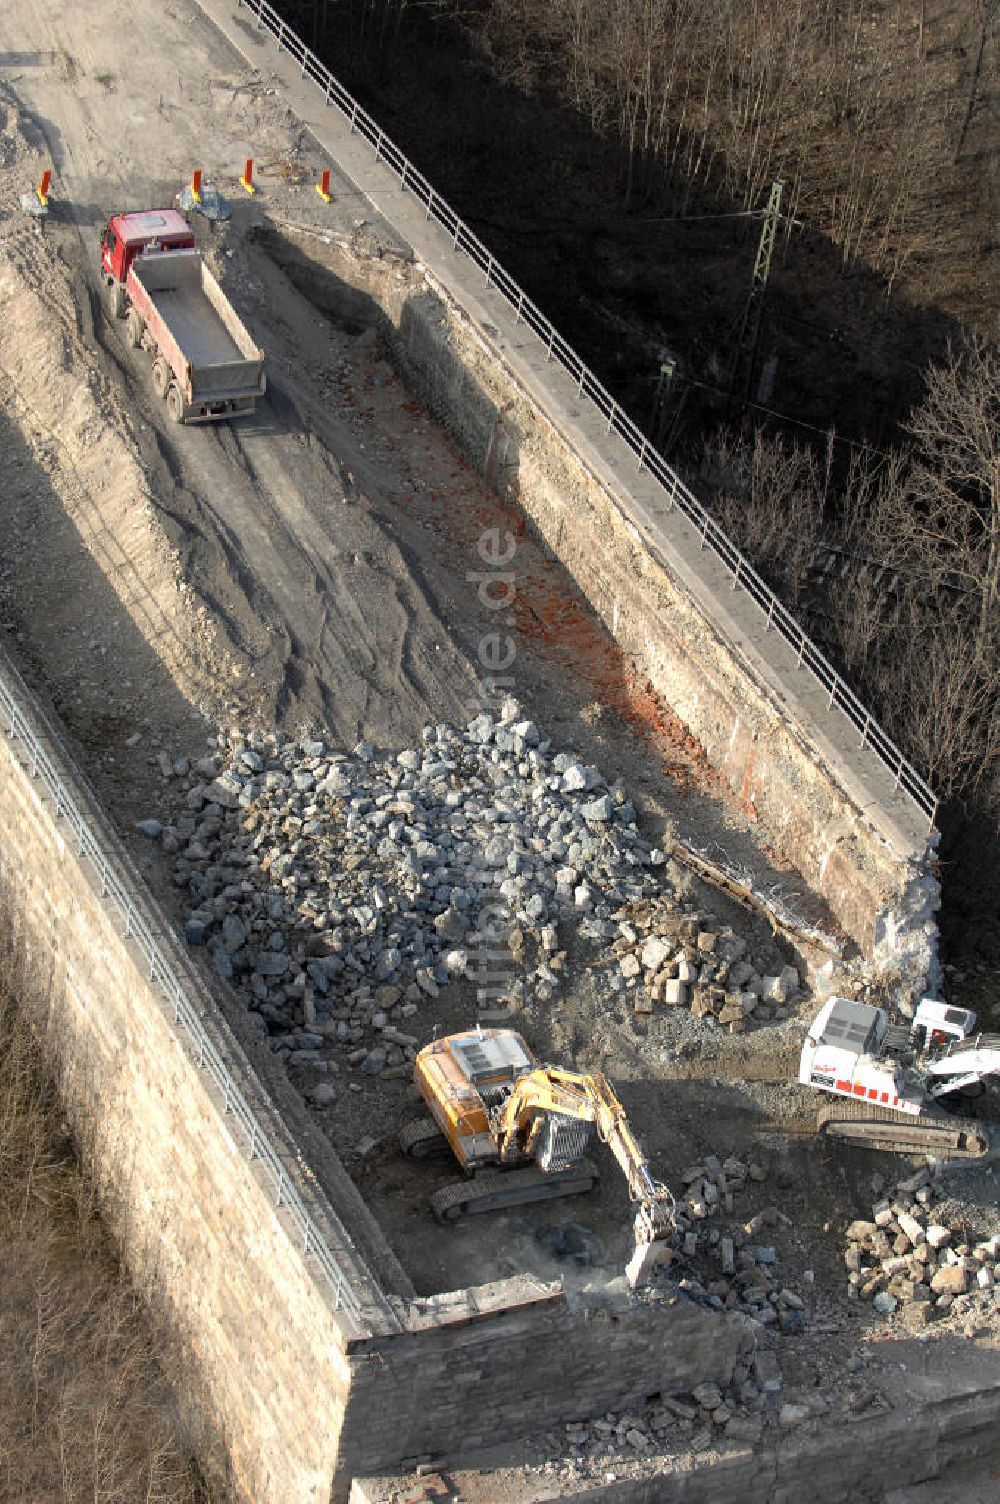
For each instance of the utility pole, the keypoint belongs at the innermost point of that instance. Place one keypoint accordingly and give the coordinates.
(661, 400)
(741, 370)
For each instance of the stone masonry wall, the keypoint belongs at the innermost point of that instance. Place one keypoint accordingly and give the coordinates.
(260, 1346)
(861, 1461)
(505, 1361)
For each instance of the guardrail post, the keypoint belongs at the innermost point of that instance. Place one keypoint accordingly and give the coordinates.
(704, 532)
(354, 116)
(552, 335)
(402, 175)
(378, 146)
(611, 416)
(489, 270)
(736, 572)
(281, 33)
(642, 457)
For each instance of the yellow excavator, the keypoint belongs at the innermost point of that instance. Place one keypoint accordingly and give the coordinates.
(520, 1131)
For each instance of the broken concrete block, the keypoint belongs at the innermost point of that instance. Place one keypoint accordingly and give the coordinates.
(951, 1279)
(706, 1000)
(766, 1373)
(675, 992)
(655, 953)
(789, 979)
(748, 1428)
(910, 1228)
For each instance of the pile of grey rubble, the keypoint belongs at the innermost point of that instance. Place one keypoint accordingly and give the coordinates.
(697, 1421)
(907, 1261)
(340, 893)
(736, 1267)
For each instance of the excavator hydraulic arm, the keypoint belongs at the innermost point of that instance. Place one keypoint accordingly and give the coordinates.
(548, 1093)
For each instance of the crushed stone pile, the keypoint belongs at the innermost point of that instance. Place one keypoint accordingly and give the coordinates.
(912, 1265)
(340, 893)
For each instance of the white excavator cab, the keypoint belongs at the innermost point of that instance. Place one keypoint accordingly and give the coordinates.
(938, 1022)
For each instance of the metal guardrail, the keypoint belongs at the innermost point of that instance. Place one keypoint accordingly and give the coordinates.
(465, 242)
(185, 1015)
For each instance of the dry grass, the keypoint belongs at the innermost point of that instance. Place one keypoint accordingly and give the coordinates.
(85, 1413)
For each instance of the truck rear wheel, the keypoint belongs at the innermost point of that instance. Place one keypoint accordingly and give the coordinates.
(116, 299)
(175, 404)
(134, 329)
(161, 376)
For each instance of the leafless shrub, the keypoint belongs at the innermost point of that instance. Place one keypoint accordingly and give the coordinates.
(768, 494)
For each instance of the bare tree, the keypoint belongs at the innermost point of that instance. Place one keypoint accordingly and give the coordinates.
(947, 521)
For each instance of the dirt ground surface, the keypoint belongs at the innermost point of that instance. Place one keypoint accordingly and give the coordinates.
(306, 570)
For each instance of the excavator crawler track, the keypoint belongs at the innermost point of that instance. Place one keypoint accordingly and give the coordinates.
(493, 1190)
(422, 1139)
(868, 1128)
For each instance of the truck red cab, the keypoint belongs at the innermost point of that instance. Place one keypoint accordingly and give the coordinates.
(130, 235)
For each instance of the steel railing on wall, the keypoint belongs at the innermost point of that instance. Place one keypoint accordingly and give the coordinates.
(14, 700)
(742, 576)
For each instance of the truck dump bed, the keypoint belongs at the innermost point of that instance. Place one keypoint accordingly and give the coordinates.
(196, 327)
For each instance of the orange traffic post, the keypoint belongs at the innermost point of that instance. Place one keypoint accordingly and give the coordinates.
(196, 185)
(246, 181)
(323, 186)
(43, 188)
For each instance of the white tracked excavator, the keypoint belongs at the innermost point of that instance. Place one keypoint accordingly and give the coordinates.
(520, 1131)
(903, 1083)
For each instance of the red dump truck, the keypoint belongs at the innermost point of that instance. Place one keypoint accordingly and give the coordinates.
(205, 364)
